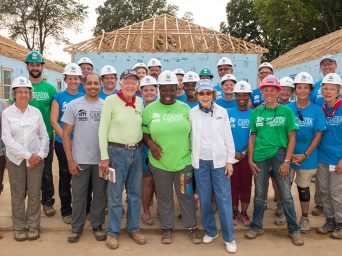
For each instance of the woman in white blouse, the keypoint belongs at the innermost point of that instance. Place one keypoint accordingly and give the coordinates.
(27, 144)
(213, 154)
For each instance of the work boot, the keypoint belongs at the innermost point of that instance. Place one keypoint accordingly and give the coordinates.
(138, 237)
(166, 236)
(49, 210)
(317, 210)
(99, 233)
(304, 225)
(67, 219)
(251, 234)
(329, 226)
(337, 234)
(33, 234)
(74, 237)
(296, 238)
(112, 242)
(194, 235)
(19, 235)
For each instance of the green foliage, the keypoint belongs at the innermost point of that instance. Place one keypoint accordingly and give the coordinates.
(282, 25)
(115, 14)
(33, 21)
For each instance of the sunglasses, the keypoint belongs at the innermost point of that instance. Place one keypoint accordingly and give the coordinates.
(208, 93)
(300, 116)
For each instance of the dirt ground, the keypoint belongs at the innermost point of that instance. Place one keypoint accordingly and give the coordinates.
(54, 233)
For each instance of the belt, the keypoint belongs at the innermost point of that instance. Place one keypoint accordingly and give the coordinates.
(126, 146)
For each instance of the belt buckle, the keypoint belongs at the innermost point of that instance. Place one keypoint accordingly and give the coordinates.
(131, 146)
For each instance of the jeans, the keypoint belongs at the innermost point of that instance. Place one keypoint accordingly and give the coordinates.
(128, 165)
(48, 190)
(284, 188)
(209, 180)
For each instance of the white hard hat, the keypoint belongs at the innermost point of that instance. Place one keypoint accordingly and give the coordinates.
(20, 81)
(179, 71)
(242, 87)
(85, 60)
(227, 77)
(190, 77)
(167, 77)
(286, 81)
(332, 78)
(148, 80)
(140, 65)
(108, 70)
(72, 69)
(154, 62)
(303, 78)
(266, 65)
(224, 61)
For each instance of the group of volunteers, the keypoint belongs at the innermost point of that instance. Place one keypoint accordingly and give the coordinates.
(165, 132)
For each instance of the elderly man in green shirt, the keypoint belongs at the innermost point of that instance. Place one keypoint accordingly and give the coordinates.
(120, 139)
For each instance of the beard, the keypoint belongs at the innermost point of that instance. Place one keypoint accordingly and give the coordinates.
(35, 74)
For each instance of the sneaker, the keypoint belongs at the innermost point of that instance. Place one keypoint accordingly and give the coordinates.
(33, 234)
(245, 219)
(209, 239)
(147, 218)
(112, 242)
(194, 236)
(329, 226)
(138, 237)
(231, 246)
(49, 210)
(337, 233)
(166, 236)
(296, 238)
(280, 218)
(19, 235)
(74, 237)
(304, 225)
(236, 217)
(251, 234)
(67, 219)
(317, 210)
(99, 233)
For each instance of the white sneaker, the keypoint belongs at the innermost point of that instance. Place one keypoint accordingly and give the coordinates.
(231, 247)
(208, 239)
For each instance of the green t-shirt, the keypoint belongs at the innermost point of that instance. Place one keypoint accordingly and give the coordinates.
(169, 127)
(272, 127)
(43, 93)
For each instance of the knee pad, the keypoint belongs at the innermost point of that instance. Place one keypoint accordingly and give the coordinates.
(304, 194)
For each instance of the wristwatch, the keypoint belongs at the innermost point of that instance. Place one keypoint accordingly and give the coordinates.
(287, 161)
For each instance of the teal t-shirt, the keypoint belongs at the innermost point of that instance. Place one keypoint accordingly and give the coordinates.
(43, 95)
(272, 126)
(169, 127)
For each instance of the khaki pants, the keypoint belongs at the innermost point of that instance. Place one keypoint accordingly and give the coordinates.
(22, 182)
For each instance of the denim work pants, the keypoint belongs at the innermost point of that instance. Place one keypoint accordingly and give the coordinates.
(209, 180)
(128, 165)
(284, 188)
(48, 190)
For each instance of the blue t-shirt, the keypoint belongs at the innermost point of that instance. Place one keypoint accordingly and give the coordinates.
(191, 105)
(103, 96)
(239, 123)
(81, 88)
(316, 94)
(63, 98)
(256, 98)
(314, 121)
(182, 97)
(219, 92)
(330, 147)
(226, 104)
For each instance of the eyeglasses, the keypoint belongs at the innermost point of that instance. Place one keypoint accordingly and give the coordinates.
(265, 73)
(208, 93)
(224, 69)
(23, 93)
(300, 116)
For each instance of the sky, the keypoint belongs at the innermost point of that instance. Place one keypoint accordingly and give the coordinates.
(208, 14)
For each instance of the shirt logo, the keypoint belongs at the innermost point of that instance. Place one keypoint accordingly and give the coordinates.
(82, 115)
(95, 115)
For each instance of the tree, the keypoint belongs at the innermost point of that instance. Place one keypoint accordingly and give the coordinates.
(115, 14)
(189, 16)
(33, 21)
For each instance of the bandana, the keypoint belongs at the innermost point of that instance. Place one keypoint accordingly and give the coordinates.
(337, 104)
(128, 104)
(207, 110)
